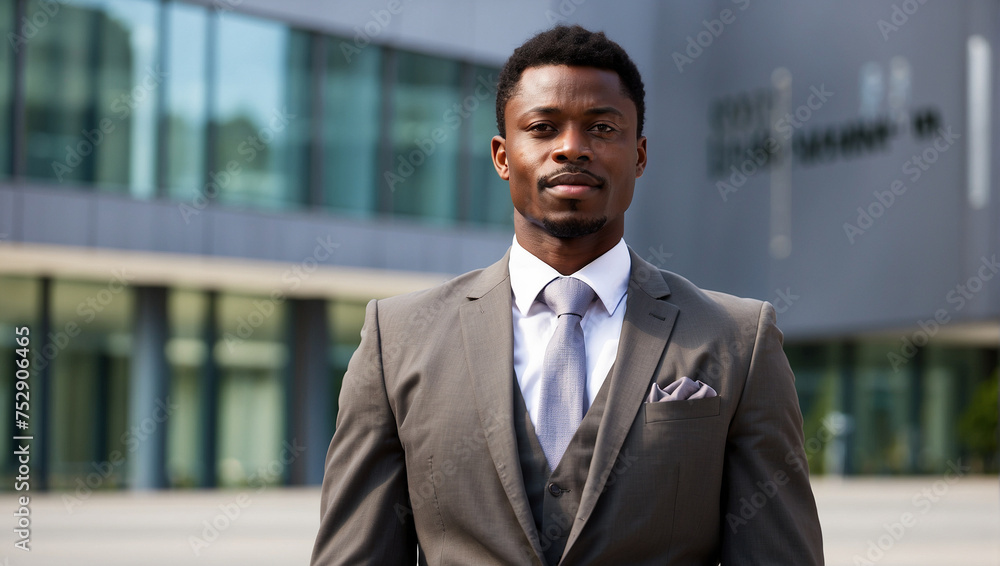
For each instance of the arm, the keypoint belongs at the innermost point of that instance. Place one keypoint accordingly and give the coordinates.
(769, 514)
(364, 512)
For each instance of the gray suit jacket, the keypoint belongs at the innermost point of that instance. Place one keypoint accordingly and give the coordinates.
(425, 450)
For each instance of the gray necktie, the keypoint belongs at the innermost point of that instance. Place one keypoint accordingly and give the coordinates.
(564, 373)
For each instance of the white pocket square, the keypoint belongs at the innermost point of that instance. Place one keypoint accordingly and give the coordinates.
(681, 390)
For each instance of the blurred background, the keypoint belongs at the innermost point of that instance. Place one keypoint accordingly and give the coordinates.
(198, 197)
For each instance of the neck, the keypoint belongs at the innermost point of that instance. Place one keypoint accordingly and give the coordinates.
(566, 255)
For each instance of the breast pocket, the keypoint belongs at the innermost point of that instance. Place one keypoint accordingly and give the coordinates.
(677, 410)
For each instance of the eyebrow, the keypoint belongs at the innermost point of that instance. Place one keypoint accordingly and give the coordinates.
(596, 110)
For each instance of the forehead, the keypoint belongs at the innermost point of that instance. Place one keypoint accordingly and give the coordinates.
(564, 86)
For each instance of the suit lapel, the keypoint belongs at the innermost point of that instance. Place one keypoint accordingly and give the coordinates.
(487, 331)
(645, 330)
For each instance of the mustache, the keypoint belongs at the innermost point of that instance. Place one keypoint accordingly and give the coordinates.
(549, 180)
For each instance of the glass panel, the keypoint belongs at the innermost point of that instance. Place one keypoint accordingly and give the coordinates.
(186, 354)
(489, 195)
(351, 108)
(91, 85)
(186, 105)
(262, 112)
(17, 41)
(19, 302)
(91, 325)
(251, 355)
(817, 385)
(427, 118)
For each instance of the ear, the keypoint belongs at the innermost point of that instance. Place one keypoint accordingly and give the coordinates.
(499, 149)
(640, 164)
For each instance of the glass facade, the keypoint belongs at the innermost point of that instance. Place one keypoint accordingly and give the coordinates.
(174, 99)
(92, 79)
(177, 100)
(862, 416)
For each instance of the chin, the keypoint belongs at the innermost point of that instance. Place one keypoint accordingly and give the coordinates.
(573, 227)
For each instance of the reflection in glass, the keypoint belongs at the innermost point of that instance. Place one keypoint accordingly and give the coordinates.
(7, 30)
(19, 304)
(352, 101)
(427, 121)
(186, 105)
(262, 112)
(489, 195)
(92, 81)
(92, 323)
(251, 356)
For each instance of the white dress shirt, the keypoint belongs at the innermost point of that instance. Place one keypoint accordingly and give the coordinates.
(535, 322)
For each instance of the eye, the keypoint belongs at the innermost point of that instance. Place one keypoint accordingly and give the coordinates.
(541, 127)
(604, 128)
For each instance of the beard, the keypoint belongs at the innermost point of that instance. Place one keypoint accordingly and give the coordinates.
(573, 228)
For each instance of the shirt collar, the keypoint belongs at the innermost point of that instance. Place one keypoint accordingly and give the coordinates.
(607, 275)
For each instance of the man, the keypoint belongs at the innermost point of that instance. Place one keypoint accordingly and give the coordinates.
(570, 404)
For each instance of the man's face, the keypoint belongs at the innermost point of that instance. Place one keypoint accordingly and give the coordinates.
(571, 152)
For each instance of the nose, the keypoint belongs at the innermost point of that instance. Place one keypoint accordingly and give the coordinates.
(572, 145)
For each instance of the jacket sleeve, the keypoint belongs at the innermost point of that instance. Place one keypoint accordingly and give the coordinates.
(768, 510)
(365, 513)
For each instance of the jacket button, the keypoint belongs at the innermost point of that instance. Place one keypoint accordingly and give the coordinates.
(555, 490)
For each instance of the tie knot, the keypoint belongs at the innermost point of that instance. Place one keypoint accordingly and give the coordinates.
(567, 295)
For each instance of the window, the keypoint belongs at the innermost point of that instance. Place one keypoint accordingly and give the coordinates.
(262, 102)
(92, 79)
(186, 99)
(89, 363)
(252, 356)
(424, 138)
(352, 94)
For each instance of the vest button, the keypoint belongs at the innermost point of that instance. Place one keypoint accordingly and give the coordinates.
(555, 490)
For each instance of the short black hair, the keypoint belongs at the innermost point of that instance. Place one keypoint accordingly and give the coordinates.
(577, 47)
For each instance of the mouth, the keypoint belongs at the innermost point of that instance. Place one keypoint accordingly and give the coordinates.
(571, 185)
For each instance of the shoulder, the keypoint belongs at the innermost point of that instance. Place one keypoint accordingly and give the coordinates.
(446, 297)
(688, 296)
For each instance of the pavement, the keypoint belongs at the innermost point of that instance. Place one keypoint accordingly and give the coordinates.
(913, 521)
